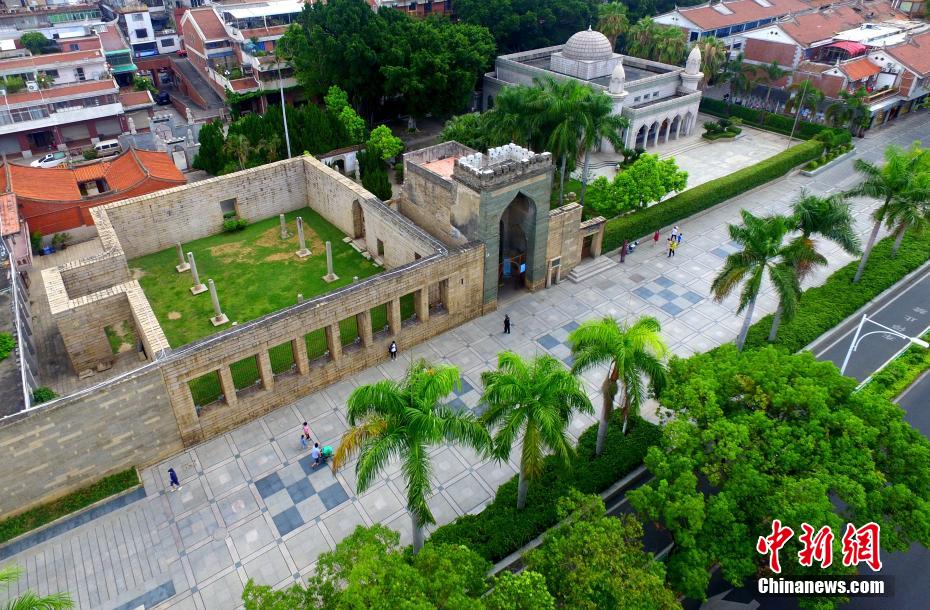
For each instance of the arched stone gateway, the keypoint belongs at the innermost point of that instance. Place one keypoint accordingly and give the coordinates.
(516, 247)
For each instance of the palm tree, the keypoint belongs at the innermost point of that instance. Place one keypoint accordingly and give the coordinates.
(641, 38)
(802, 96)
(391, 419)
(30, 600)
(561, 110)
(538, 399)
(737, 73)
(238, 147)
(828, 217)
(909, 212)
(896, 180)
(671, 45)
(714, 55)
(764, 251)
(515, 116)
(631, 352)
(849, 110)
(770, 73)
(599, 123)
(612, 21)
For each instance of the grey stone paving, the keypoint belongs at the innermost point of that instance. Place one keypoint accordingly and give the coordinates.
(252, 506)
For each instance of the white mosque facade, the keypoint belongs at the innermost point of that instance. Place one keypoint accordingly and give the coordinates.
(659, 100)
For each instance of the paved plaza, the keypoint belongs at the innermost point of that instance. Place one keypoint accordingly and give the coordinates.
(253, 506)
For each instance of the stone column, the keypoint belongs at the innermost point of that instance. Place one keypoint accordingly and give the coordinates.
(444, 294)
(299, 347)
(421, 304)
(228, 386)
(363, 322)
(284, 233)
(334, 342)
(393, 316)
(219, 318)
(302, 252)
(678, 128)
(197, 288)
(330, 276)
(597, 242)
(182, 265)
(264, 370)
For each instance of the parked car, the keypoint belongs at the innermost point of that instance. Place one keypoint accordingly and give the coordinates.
(163, 98)
(105, 148)
(53, 159)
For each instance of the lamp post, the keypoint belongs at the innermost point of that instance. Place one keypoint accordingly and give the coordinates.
(287, 137)
(857, 339)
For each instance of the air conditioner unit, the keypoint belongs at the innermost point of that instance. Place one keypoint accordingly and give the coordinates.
(32, 85)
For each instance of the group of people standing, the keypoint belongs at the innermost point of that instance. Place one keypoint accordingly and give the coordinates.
(673, 241)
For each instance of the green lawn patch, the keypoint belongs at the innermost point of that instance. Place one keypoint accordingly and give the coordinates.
(255, 271)
(687, 203)
(823, 307)
(82, 498)
(571, 186)
(501, 529)
(900, 373)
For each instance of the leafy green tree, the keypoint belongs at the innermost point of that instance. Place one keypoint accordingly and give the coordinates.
(36, 42)
(828, 217)
(763, 435)
(641, 38)
(593, 561)
(632, 353)
(849, 111)
(671, 45)
(141, 83)
(30, 600)
(646, 180)
(612, 21)
(336, 99)
(536, 399)
(471, 130)
(210, 157)
(13, 84)
(382, 144)
(523, 591)
(764, 252)
(770, 74)
(238, 148)
(352, 124)
(598, 122)
(898, 179)
(391, 420)
(376, 181)
(738, 75)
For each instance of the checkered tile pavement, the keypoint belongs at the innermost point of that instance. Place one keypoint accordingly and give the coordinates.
(725, 250)
(556, 342)
(299, 493)
(668, 295)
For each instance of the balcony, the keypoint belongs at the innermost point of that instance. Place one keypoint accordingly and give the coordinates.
(878, 96)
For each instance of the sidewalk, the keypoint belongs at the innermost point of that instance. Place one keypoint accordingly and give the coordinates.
(251, 505)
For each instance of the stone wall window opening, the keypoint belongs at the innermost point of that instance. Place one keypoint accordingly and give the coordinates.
(438, 297)
(206, 391)
(379, 321)
(229, 206)
(358, 221)
(282, 359)
(316, 344)
(245, 375)
(380, 249)
(348, 332)
(408, 312)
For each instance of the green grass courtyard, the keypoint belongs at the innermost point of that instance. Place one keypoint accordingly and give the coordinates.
(255, 271)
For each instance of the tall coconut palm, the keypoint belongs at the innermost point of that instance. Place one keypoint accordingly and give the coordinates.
(671, 45)
(803, 95)
(631, 353)
(612, 21)
(912, 211)
(641, 38)
(538, 399)
(714, 55)
(769, 74)
(897, 179)
(828, 217)
(561, 109)
(516, 116)
(391, 419)
(598, 122)
(764, 252)
(30, 600)
(849, 111)
(739, 76)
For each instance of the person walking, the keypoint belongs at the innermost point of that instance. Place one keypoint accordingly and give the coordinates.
(675, 232)
(315, 454)
(655, 238)
(506, 324)
(668, 246)
(672, 247)
(303, 442)
(680, 237)
(173, 483)
(393, 350)
(307, 431)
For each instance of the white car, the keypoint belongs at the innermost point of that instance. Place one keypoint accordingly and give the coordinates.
(50, 160)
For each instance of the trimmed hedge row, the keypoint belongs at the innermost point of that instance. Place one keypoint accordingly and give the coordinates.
(82, 498)
(645, 221)
(500, 529)
(762, 119)
(901, 372)
(823, 307)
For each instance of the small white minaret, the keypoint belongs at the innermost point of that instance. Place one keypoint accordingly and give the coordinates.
(692, 75)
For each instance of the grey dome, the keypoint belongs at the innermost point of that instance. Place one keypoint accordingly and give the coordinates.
(588, 45)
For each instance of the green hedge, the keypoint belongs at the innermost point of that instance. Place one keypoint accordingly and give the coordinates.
(645, 221)
(500, 529)
(823, 307)
(901, 372)
(82, 498)
(761, 118)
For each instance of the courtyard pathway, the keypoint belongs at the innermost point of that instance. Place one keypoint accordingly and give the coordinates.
(252, 507)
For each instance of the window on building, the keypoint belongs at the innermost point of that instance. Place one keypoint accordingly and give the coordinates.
(694, 36)
(636, 99)
(138, 17)
(74, 47)
(79, 74)
(143, 33)
(380, 245)
(166, 42)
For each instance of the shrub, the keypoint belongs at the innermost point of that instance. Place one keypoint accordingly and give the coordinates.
(241, 224)
(43, 394)
(823, 307)
(901, 372)
(7, 343)
(35, 240)
(231, 225)
(60, 240)
(228, 215)
(501, 529)
(90, 154)
(760, 118)
(642, 222)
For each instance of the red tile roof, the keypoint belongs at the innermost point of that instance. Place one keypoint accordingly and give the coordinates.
(9, 215)
(914, 54)
(859, 69)
(50, 60)
(275, 30)
(740, 11)
(136, 98)
(60, 91)
(821, 25)
(208, 23)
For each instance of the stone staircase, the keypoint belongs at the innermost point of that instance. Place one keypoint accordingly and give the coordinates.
(590, 268)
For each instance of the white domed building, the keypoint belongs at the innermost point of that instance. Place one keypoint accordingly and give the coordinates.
(660, 100)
